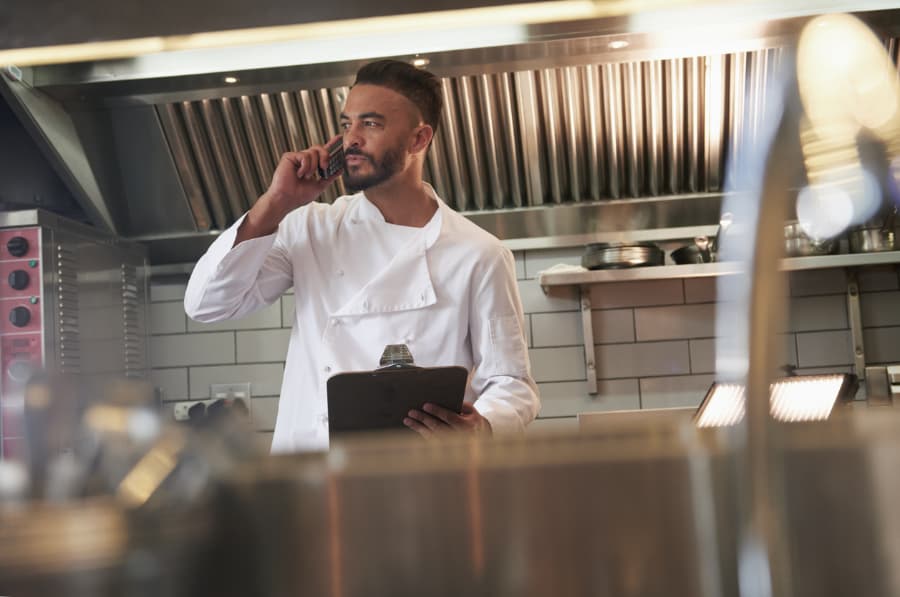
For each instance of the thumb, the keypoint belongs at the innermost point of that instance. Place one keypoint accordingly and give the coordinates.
(467, 408)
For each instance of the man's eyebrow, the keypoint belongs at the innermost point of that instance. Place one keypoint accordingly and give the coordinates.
(364, 115)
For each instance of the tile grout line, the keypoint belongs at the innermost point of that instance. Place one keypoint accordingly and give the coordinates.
(690, 360)
(531, 330)
(634, 325)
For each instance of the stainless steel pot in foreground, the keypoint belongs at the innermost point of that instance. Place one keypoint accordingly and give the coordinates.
(648, 510)
(575, 516)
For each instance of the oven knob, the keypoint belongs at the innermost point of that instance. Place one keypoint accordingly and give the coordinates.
(18, 279)
(20, 316)
(17, 246)
(20, 371)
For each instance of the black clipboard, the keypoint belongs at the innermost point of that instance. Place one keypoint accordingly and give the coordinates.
(380, 399)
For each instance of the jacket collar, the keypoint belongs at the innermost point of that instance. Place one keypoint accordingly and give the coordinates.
(365, 210)
(405, 283)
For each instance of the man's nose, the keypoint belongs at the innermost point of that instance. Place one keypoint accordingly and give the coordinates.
(352, 137)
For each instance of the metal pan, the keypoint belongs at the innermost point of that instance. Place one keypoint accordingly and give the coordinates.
(622, 255)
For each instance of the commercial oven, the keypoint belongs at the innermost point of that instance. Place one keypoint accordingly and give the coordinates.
(73, 301)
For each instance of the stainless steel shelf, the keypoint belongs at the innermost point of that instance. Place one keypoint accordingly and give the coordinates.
(583, 280)
(713, 269)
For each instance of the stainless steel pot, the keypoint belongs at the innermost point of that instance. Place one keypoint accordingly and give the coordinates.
(576, 516)
(798, 244)
(875, 235)
(871, 240)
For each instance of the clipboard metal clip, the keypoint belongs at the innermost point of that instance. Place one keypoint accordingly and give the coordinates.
(396, 356)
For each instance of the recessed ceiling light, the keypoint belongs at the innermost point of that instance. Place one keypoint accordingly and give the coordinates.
(231, 80)
(420, 62)
(618, 44)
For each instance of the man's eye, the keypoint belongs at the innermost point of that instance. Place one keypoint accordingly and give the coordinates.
(370, 123)
(345, 126)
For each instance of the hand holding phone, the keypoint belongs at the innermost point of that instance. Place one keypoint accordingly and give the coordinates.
(335, 160)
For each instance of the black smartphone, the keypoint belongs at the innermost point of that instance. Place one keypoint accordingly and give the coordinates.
(335, 160)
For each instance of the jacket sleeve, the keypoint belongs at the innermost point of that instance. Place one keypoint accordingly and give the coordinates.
(507, 394)
(230, 281)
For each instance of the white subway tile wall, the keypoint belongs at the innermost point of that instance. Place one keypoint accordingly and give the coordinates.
(556, 329)
(814, 313)
(167, 318)
(674, 392)
(563, 399)
(703, 353)
(169, 291)
(642, 359)
(287, 310)
(192, 349)
(558, 364)
(671, 323)
(823, 349)
(882, 345)
(880, 309)
(264, 378)
(558, 298)
(818, 282)
(654, 340)
(263, 410)
(172, 383)
(263, 346)
(874, 279)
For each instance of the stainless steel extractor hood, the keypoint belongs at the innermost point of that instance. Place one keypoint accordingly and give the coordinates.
(583, 131)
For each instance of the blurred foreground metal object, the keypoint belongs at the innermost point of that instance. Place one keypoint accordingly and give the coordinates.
(642, 509)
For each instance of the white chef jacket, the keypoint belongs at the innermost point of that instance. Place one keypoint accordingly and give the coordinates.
(450, 295)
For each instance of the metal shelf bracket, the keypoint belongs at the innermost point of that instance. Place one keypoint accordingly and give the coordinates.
(587, 326)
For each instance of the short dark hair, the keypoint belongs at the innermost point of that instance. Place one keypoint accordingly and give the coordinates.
(418, 86)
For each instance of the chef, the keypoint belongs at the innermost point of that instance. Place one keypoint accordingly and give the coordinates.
(390, 264)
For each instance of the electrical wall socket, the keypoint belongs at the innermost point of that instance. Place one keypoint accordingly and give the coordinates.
(230, 391)
(217, 391)
(180, 410)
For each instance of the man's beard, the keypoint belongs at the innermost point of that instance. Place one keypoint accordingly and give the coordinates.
(381, 171)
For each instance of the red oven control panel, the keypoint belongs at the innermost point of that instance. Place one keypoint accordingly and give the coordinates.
(21, 278)
(21, 330)
(20, 243)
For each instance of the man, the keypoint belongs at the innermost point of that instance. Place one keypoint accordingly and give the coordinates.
(391, 264)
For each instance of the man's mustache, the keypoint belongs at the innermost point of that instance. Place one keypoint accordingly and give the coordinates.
(358, 152)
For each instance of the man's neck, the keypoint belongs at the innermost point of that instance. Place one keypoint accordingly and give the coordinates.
(403, 200)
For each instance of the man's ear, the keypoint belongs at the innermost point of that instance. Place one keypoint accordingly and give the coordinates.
(421, 138)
